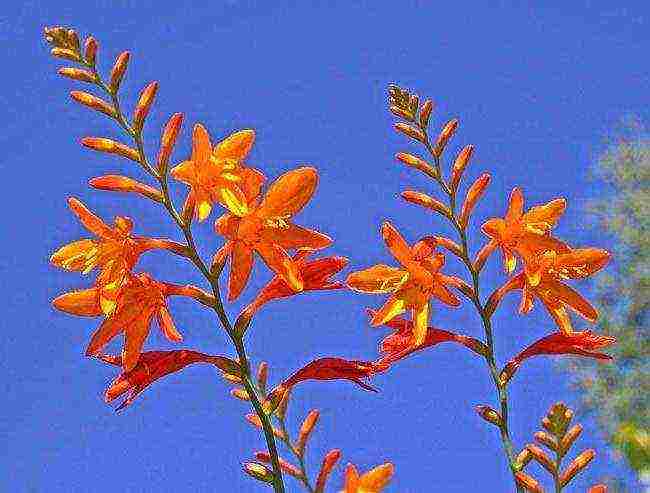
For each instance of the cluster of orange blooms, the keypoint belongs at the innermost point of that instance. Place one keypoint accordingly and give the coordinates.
(259, 222)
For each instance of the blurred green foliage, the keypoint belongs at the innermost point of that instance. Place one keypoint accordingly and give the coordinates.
(619, 394)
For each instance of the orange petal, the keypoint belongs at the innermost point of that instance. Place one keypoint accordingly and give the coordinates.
(251, 183)
(441, 292)
(74, 256)
(296, 237)
(378, 478)
(420, 323)
(226, 225)
(232, 198)
(351, 479)
(279, 261)
(92, 222)
(575, 301)
(289, 193)
(236, 146)
(559, 314)
(123, 317)
(241, 263)
(201, 148)
(542, 218)
(393, 307)
(167, 326)
(84, 303)
(494, 227)
(134, 339)
(396, 243)
(379, 278)
(515, 206)
(185, 172)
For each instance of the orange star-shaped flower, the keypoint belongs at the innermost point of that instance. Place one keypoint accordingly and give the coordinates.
(139, 299)
(544, 281)
(267, 230)
(526, 233)
(411, 286)
(115, 252)
(374, 481)
(216, 174)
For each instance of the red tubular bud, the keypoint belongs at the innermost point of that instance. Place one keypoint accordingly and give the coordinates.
(144, 104)
(329, 462)
(460, 164)
(167, 141)
(424, 200)
(90, 50)
(447, 133)
(93, 102)
(473, 195)
(305, 430)
(117, 73)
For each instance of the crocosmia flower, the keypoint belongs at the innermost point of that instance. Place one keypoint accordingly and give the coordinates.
(114, 251)
(266, 229)
(525, 233)
(216, 174)
(373, 481)
(140, 299)
(544, 281)
(411, 286)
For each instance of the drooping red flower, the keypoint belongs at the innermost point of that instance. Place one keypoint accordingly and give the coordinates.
(316, 276)
(139, 299)
(329, 369)
(584, 343)
(400, 343)
(152, 366)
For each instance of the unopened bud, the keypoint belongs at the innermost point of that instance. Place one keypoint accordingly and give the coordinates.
(259, 471)
(577, 465)
(117, 73)
(489, 415)
(410, 131)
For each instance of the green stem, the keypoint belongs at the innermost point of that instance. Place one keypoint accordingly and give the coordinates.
(304, 478)
(278, 484)
(502, 392)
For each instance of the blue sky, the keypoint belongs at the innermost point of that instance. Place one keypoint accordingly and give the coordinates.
(536, 88)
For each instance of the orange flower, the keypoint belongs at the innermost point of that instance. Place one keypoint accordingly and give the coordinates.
(399, 344)
(152, 366)
(316, 275)
(411, 286)
(139, 299)
(216, 174)
(527, 233)
(374, 481)
(584, 343)
(265, 228)
(115, 252)
(543, 281)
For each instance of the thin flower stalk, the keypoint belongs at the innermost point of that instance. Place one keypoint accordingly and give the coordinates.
(135, 132)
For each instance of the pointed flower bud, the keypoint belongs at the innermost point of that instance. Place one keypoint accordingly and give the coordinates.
(489, 415)
(417, 163)
(305, 430)
(460, 164)
(167, 141)
(117, 73)
(93, 102)
(411, 131)
(144, 104)
(90, 50)
(117, 183)
(425, 113)
(447, 133)
(77, 74)
(111, 147)
(577, 465)
(259, 471)
(424, 200)
(540, 456)
(329, 462)
(473, 195)
(528, 482)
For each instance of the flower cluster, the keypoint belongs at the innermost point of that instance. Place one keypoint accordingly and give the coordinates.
(257, 219)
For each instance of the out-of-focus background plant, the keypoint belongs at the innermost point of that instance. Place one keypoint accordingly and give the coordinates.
(619, 394)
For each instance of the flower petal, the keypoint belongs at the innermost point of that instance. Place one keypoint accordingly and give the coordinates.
(184, 172)
(289, 193)
(279, 261)
(393, 307)
(379, 278)
(421, 323)
(84, 303)
(515, 206)
(74, 256)
(134, 339)
(201, 147)
(575, 301)
(236, 146)
(296, 237)
(92, 222)
(542, 218)
(377, 479)
(241, 263)
(167, 326)
(396, 244)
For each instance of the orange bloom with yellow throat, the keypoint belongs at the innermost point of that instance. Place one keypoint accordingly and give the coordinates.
(114, 251)
(412, 285)
(216, 175)
(266, 228)
(525, 233)
(373, 481)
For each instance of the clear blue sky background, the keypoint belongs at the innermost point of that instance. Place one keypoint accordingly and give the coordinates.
(536, 89)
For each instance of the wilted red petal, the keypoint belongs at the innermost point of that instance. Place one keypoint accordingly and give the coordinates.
(154, 365)
(584, 343)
